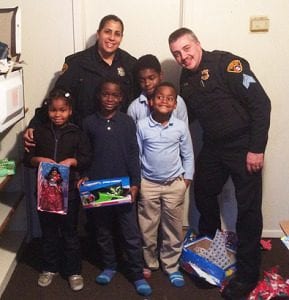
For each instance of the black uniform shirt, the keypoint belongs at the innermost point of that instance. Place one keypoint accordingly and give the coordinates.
(82, 74)
(227, 99)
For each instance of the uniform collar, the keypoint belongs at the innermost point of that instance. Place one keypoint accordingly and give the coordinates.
(114, 118)
(99, 58)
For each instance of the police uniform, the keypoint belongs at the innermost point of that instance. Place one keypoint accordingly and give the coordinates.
(234, 112)
(82, 75)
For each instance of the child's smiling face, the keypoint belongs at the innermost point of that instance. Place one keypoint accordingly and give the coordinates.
(59, 111)
(110, 97)
(164, 101)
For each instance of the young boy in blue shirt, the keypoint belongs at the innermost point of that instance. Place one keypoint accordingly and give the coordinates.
(115, 154)
(149, 74)
(167, 167)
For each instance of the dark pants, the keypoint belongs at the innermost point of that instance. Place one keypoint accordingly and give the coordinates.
(33, 224)
(124, 216)
(214, 164)
(60, 243)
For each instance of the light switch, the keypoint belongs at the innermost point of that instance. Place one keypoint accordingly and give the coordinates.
(259, 24)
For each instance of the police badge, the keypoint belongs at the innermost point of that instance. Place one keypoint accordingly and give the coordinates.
(205, 74)
(121, 71)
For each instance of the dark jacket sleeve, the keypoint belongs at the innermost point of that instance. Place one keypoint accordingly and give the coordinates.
(133, 154)
(40, 117)
(84, 153)
(32, 152)
(247, 89)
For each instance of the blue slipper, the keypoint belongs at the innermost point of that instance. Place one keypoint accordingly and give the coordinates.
(105, 277)
(177, 279)
(142, 287)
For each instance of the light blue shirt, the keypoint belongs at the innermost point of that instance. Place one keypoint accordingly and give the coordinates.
(139, 109)
(166, 152)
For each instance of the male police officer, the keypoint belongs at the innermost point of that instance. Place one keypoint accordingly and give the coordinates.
(223, 93)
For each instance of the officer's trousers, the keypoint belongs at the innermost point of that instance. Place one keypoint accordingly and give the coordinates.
(214, 164)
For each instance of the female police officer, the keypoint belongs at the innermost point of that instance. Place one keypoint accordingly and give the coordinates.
(82, 74)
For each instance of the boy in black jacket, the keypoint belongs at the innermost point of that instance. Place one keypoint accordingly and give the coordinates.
(59, 141)
(115, 154)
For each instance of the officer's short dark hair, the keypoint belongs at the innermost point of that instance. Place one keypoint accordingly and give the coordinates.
(108, 18)
(148, 61)
(181, 32)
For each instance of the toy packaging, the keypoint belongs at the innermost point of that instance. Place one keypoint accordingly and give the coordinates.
(52, 191)
(211, 260)
(105, 192)
(7, 167)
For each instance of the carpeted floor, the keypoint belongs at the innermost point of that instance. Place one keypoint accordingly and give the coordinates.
(23, 284)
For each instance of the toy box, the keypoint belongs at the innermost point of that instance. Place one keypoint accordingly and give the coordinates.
(7, 167)
(196, 264)
(105, 192)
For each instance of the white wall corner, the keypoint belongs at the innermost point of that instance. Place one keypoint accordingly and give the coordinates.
(78, 17)
(186, 13)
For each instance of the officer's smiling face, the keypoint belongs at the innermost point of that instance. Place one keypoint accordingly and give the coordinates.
(109, 37)
(187, 52)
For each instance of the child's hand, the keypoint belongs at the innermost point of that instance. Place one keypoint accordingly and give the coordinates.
(28, 139)
(187, 182)
(81, 181)
(133, 191)
(70, 162)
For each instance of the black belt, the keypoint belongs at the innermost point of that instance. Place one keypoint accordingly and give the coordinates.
(166, 182)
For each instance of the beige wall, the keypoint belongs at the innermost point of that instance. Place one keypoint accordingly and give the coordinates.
(49, 34)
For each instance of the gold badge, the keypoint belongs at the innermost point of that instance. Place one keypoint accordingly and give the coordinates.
(235, 66)
(64, 68)
(205, 74)
(121, 71)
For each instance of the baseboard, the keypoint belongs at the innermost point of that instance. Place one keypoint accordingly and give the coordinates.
(267, 233)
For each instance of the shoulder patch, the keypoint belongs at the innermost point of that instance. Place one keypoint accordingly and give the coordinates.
(64, 68)
(235, 66)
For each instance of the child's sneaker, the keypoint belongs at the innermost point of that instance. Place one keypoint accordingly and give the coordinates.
(45, 278)
(76, 282)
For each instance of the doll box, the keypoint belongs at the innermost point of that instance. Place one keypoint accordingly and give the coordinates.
(105, 192)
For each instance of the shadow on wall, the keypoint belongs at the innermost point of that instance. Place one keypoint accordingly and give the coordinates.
(171, 71)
